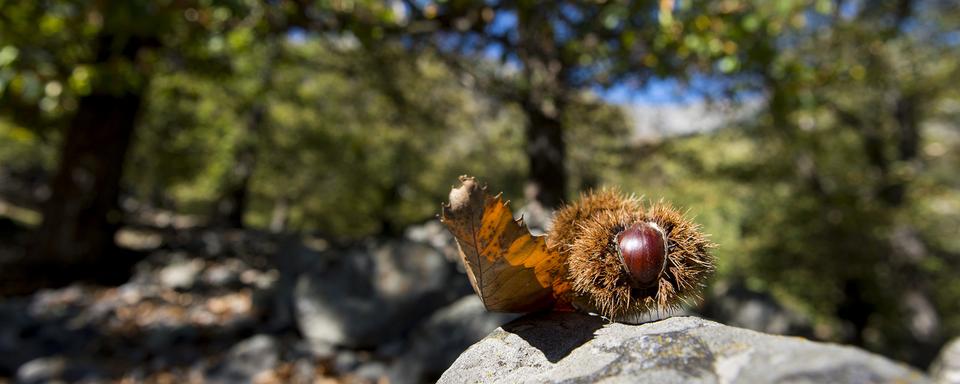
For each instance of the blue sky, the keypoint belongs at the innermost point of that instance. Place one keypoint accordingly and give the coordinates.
(655, 92)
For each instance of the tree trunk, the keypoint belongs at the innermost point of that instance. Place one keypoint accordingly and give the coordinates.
(280, 215)
(907, 246)
(546, 151)
(233, 203)
(542, 102)
(82, 215)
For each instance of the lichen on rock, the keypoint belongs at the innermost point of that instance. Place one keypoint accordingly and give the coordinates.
(577, 348)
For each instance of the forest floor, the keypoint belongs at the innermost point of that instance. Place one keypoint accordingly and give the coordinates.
(197, 308)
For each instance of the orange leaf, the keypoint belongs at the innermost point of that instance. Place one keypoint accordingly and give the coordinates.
(510, 269)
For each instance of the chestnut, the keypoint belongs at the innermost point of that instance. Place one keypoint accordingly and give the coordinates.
(642, 249)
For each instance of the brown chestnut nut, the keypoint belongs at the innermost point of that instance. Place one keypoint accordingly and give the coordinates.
(642, 249)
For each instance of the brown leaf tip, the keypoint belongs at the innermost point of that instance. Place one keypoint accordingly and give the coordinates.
(460, 196)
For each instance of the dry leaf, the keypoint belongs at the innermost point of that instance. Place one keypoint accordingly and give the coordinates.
(510, 269)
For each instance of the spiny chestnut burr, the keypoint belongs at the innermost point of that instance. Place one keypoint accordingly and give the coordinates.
(625, 259)
(642, 249)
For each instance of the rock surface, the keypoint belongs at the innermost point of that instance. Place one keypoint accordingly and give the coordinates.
(946, 369)
(368, 295)
(438, 341)
(247, 360)
(575, 348)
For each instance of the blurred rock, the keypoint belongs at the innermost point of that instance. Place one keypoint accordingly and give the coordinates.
(226, 274)
(434, 234)
(373, 371)
(181, 273)
(946, 368)
(42, 370)
(246, 361)
(571, 347)
(437, 342)
(368, 295)
(58, 369)
(295, 254)
(15, 346)
(536, 217)
(738, 306)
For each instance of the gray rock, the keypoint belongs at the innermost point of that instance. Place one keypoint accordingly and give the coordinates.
(42, 370)
(229, 273)
(575, 348)
(16, 347)
(181, 273)
(946, 368)
(372, 372)
(438, 341)
(246, 360)
(346, 361)
(295, 255)
(536, 217)
(370, 295)
(736, 305)
(59, 368)
(435, 234)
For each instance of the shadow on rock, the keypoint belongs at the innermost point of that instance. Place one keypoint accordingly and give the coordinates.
(556, 334)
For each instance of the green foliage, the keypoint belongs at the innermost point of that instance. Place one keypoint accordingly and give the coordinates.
(599, 136)
(353, 158)
(48, 49)
(343, 152)
(21, 149)
(184, 141)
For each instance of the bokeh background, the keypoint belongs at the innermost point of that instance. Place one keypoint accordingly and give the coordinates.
(201, 190)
